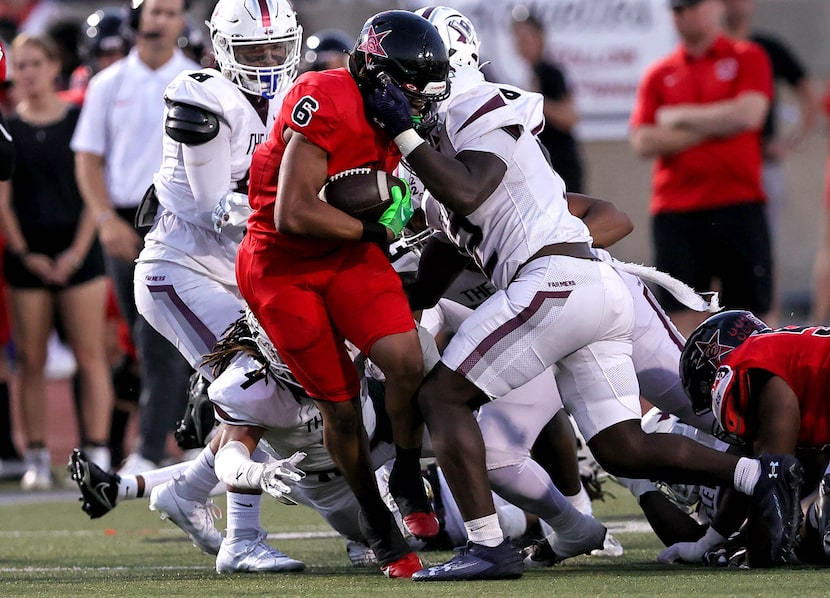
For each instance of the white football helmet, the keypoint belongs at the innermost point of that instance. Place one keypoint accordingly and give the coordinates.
(257, 44)
(457, 32)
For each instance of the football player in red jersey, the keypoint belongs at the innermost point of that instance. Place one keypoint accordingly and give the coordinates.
(767, 389)
(314, 275)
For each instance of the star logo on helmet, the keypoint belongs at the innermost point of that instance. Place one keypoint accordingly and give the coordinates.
(372, 43)
(712, 350)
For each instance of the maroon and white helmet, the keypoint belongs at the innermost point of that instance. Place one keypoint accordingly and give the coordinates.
(257, 44)
(457, 32)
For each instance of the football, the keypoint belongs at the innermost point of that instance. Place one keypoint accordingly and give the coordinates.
(363, 193)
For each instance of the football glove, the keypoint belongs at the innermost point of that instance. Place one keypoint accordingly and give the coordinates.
(398, 214)
(390, 109)
(230, 215)
(691, 552)
(275, 472)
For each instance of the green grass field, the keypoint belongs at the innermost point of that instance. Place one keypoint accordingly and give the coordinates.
(51, 548)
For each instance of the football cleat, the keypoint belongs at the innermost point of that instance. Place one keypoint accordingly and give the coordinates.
(423, 526)
(193, 517)
(360, 555)
(823, 514)
(253, 555)
(591, 537)
(476, 561)
(403, 568)
(610, 547)
(99, 489)
(410, 496)
(776, 499)
(556, 547)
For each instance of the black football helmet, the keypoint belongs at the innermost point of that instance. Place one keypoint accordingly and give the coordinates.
(408, 50)
(326, 49)
(102, 32)
(706, 347)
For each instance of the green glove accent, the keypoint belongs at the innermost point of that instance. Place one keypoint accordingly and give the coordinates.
(398, 214)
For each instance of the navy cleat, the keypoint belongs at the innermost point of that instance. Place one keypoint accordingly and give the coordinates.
(822, 506)
(475, 561)
(99, 489)
(776, 502)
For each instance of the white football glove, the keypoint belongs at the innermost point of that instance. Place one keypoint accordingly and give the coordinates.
(691, 552)
(230, 215)
(282, 469)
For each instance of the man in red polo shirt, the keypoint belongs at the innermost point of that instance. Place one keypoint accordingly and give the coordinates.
(699, 112)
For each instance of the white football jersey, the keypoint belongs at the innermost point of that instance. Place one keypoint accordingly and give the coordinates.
(183, 231)
(291, 419)
(528, 209)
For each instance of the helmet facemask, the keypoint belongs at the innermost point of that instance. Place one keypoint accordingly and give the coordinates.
(257, 46)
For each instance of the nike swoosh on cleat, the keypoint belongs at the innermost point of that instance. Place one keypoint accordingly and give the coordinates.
(100, 492)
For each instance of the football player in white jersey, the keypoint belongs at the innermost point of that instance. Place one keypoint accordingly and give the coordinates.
(494, 196)
(185, 284)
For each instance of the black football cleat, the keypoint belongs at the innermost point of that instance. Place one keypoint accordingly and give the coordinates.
(776, 499)
(822, 506)
(475, 561)
(99, 489)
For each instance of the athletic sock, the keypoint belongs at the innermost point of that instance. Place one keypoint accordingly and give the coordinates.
(747, 473)
(199, 478)
(485, 530)
(243, 514)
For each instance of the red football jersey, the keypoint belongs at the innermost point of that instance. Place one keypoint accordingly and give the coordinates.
(801, 357)
(327, 108)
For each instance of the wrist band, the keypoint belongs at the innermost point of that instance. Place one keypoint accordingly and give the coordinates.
(373, 232)
(408, 141)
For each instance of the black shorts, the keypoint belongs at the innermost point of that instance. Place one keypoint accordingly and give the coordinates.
(731, 244)
(20, 277)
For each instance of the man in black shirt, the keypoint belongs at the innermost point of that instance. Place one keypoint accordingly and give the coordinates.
(786, 68)
(560, 113)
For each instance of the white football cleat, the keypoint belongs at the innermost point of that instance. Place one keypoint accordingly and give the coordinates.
(611, 547)
(555, 548)
(253, 555)
(360, 555)
(193, 517)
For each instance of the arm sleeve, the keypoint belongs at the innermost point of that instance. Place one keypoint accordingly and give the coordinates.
(208, 168)
(6, 151)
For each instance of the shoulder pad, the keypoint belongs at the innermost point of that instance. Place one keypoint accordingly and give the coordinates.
(190, 125)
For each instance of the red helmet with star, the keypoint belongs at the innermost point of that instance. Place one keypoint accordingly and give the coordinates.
(706, 348)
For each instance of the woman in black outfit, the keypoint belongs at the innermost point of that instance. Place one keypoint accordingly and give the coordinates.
(53, 260)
